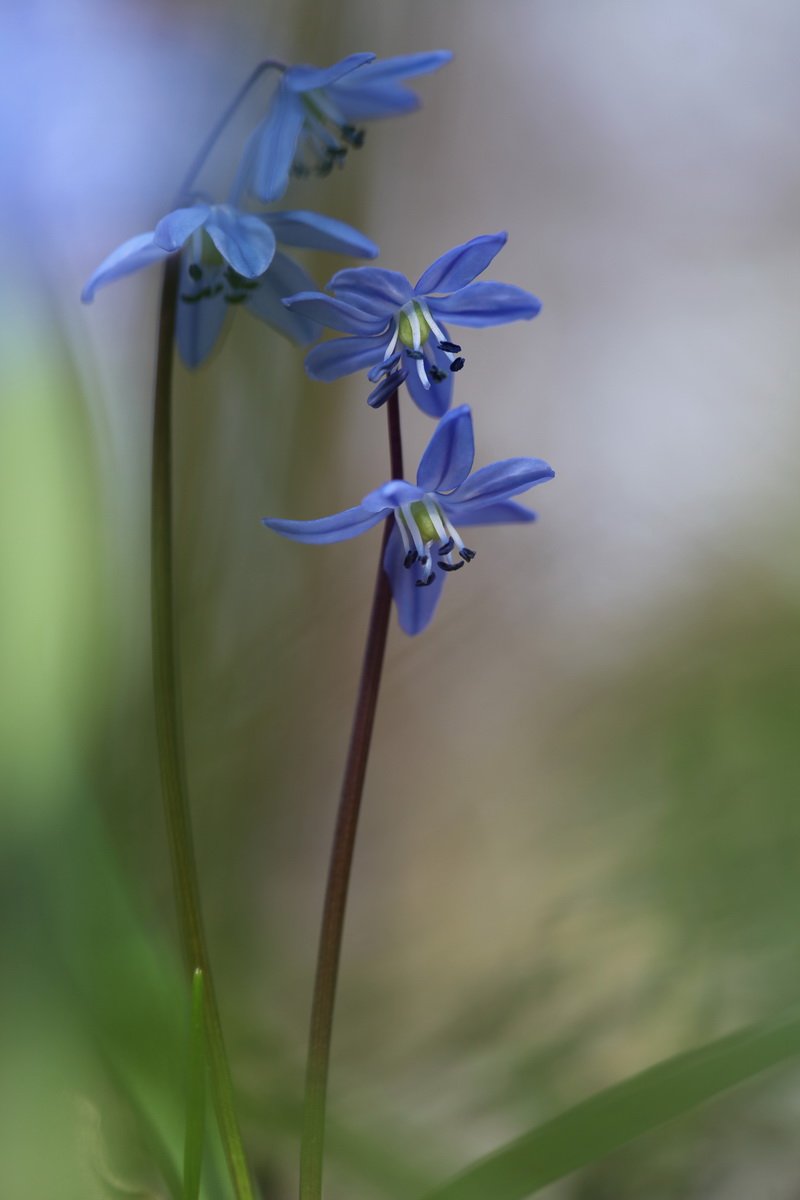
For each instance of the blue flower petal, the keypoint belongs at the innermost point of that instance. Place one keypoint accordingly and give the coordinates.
(335, 314)
(402, 66)
(173, 229)
(336, 528)
(277, 142)
(434, 401)
(482, 304)
(341, 356)
(132, 255)
(502, 512)
(314, 232)
(372, 103)
(304, 78)
(449, 455)
(459, 266)
(371, 288)
(415, 605)
(266, 301)
(243, 240)
(501, 480)
(392, 495)
(199, 322)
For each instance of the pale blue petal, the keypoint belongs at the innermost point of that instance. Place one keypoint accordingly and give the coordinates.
(436, 400)
(342, 356)
(448, 459)
(173, 229)
(131, 256)
(266, 301)
(459, 266)
(314, 232)
(335, 314)
(503, 479)
(415, 605)
(482, 304)
(277, 143)
(502, 512)
(243, 240)
(304, 78)
(372, 103)
(199, 322)
(371, 288)
(392, 495)
(337, 528)
(403, 66)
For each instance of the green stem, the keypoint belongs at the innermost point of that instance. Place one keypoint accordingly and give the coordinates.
(330, 942)
(170, 740)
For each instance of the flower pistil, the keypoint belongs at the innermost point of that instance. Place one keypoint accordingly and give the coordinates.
(427, 534)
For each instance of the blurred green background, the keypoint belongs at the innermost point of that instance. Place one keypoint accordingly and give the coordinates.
(581, 839)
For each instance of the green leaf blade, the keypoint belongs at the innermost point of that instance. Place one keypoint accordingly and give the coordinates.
(619, 1114)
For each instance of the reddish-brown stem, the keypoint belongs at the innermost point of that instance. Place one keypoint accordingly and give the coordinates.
(330, 941)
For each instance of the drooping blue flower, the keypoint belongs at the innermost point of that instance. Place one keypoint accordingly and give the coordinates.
(425, 543)
(311, 122)
(397, 330)
(230, 257)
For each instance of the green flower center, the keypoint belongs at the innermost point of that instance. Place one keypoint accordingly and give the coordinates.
(405, 327)
(422, 519)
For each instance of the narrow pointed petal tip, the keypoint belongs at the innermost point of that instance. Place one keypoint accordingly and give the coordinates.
(312, 231)
(402, 66)
(486, 303)
(459, 266)
(304, 78)
(336, 528)
(335, 314)
(137, 252)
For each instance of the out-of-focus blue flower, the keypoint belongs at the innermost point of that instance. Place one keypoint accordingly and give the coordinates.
(230, 257)
(395, 327)
(311, 122)
(425, 544)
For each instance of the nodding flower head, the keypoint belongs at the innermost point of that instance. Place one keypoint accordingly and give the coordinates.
(425, 544)
(316, 115)
(399, 332)
(230, 258)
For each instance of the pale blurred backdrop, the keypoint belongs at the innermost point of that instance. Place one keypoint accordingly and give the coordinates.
(580, 847)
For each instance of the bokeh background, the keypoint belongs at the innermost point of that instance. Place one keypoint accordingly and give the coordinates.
(581, 837)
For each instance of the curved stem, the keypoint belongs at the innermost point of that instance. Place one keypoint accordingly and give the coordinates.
(170, 739)
(269, 64)
(330, 942)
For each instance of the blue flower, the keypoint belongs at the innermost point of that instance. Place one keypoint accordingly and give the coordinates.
(311, 121)
(398, 330)
(425, 543)
(230, 257)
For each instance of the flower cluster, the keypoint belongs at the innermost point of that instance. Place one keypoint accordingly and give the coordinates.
(425, 543)
(400, 331)
(395, 331)
(228, 255)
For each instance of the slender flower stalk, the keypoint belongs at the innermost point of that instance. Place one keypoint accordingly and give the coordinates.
(170, 738)
(330, 941)
(199, 160)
